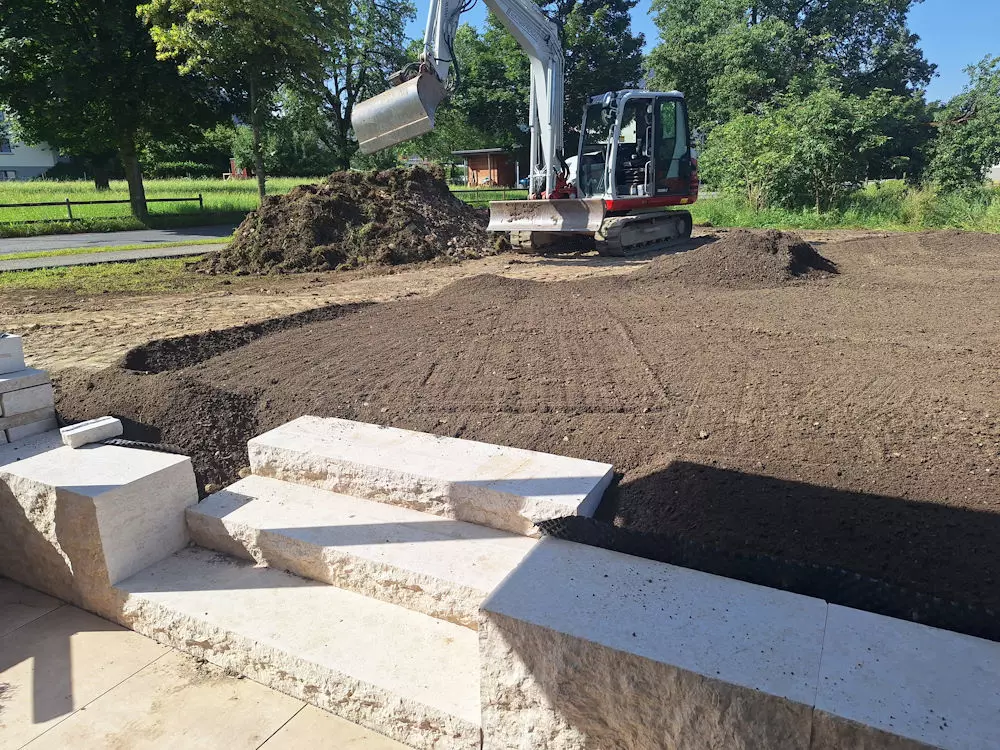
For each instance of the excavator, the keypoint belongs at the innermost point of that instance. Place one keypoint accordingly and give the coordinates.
(634, 163)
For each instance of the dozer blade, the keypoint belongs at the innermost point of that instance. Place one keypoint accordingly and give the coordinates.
(559, 215)
(397, 114)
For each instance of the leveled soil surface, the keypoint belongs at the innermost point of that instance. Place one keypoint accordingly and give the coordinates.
(849, 419)
(353, 219)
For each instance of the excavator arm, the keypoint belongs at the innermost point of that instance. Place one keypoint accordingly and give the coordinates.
(406, 110)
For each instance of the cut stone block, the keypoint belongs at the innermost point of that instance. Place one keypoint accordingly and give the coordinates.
(404, 674)
(32, 428)
(44, 414)
(26, 378)
(11, 353)
(91, 431)
(585, 648)
(77, 521)
(36, 397)
(492, 485)
(441, 567)
(887, 683)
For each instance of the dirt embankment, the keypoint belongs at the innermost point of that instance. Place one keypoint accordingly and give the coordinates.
(353, 219)
(850, 420)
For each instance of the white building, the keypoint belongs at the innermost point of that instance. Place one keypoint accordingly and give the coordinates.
(994, 174)
(21, 162)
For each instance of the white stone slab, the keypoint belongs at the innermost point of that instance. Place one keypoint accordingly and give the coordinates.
(404, 674)
(45, 414)
(32, 429)
(438, 566)
(11, 353)
(26, 378)
(883, 680)
(581, 647)
(24, 400)
(91, 431)
(505, 488)
(77, 521)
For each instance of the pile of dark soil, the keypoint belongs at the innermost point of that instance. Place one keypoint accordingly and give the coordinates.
(354, 219)
(744, 259)
(851, 424)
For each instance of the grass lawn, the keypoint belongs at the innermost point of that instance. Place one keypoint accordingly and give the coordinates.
(141, 277)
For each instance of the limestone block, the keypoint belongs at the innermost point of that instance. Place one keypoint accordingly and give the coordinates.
(888, 684)
(45, 424)
(582, 648)
(441, 567)
(504, 488)
(77, 521)
(406, 675)
(11, 353)
(36, 397)
(91, 431)
(26, 378)
(29, 417)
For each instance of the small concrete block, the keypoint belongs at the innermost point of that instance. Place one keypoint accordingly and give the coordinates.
(888, 683)
(581, 647)
(91, 431)
(31, 429)
(11, 353)
(37, 397)
(492, 485)
(26, 378)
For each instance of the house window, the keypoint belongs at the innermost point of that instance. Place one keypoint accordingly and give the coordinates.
(5, 147)
(7, 175)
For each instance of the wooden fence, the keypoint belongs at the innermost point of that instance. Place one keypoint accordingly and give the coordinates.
(68, 205)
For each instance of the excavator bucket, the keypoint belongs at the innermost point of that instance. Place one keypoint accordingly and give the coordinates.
(397, 114)
(559, 215)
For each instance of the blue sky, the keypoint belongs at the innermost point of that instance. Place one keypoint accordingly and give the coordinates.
(953, 34)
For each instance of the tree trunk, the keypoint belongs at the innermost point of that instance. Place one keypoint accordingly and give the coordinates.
(133, 175)
(258, 149)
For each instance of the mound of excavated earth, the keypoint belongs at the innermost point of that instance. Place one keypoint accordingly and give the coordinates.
(743, 259)
(353, 219)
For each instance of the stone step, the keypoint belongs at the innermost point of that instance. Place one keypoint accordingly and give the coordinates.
(409, 676)
(441, 567)
(504, 488)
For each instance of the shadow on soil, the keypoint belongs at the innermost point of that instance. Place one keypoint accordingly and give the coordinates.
(718, 520)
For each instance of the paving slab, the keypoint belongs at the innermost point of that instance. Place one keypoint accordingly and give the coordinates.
(59, 663)
(438, 566)
(26, 400)
(318, 730)
(581, 647)
(504, 488)
(175, 703)
(404, 674)
(20, 605)
(888, 683)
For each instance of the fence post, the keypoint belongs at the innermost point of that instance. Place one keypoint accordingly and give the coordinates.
(201, 202)
(69, 209)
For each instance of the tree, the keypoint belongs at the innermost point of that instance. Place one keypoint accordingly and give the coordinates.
(357, 68)
(84, 78)
(249, 47)
(968, 144)
(730, 57)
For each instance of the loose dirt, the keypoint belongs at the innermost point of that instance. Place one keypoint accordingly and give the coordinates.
(354, 219)
(742, 259)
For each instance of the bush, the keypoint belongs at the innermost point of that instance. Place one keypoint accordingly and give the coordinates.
(169, 169)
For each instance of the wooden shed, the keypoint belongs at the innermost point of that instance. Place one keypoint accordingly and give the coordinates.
(489, 167)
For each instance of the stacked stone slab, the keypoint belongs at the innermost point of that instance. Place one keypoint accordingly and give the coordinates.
(27, 401)
(353, 564)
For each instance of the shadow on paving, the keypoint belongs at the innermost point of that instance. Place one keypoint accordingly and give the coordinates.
(718, 520)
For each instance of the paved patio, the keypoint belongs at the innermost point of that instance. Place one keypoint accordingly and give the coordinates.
(69, 679)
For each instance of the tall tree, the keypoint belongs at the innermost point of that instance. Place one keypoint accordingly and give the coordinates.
(357, 68)
(84, 78)
(249, 47)
(968, 143)
(731, 57)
